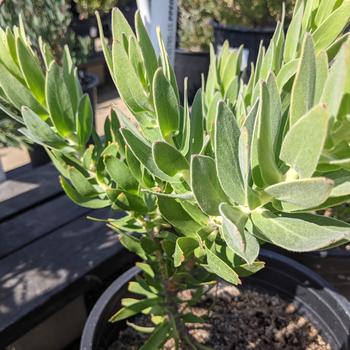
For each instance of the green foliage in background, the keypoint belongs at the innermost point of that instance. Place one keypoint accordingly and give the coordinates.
(88, 7)
(50, 20)
(252, 13)
(202, 187)
(9, 135)
(195, 28)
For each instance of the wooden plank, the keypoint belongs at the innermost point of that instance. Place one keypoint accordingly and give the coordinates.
(28, 189)
(32, 277)
(40, 220)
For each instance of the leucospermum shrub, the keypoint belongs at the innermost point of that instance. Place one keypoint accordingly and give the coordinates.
(202, 186)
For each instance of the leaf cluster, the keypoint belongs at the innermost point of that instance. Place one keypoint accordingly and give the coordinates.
(50, 20)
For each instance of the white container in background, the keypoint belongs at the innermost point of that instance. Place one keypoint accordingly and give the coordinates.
(162, 14)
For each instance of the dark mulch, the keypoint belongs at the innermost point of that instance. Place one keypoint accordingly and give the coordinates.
(241, 320)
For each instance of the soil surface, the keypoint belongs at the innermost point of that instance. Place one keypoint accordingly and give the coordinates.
(241, 320)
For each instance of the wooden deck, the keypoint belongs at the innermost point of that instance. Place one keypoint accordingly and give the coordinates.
(49, 252)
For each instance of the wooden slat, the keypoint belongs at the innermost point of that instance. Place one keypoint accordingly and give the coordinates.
(28, 189)
(40, 220)
(32, 277)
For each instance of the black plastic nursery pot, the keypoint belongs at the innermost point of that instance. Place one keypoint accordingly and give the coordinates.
(333, 265)
(237, 36)
(192, 65)
(38, 155)
(315, 298)
(89, 83)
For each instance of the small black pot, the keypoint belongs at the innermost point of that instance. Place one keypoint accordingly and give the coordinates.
(328, 311)
(192, 65)
(38, 155)
(89, 83)
(249, 37)
(333, 265)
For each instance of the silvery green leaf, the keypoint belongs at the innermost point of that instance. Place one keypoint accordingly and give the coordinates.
(303, 143)
(232, 90)
(240, 241)
(167, 67)
(18, 94)
(286, 73)
(212, 77)
(81, 184)
(227, 135)
(299, 232)
(267, 61)
(120, 173)
(84, 120)
(169, 160)
(59, 101)
(212, 111)
(205, 185)
(143, 152)
(261, 54)
(221, 268)
(303, 91)
(324, 10)
(134, 165)
(335, 86)
(196, 124)
(332, 26)
(135, 57)
(40, 130)
(321, 75)
(293, 33)
(31, 70)
(173, 212)
(184, 249)
(70, 75)
(269, 120)
(244, 160)
(7, 58)
(146, 47)
(303, 193)
(249, 122)
(134, 308)
(166, 105)
(195, 212)
(87, 202)
(230, 70)
(310, 7)
(106, 50)
(120, 26)
(127, 80)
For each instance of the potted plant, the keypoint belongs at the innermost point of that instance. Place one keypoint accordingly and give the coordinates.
(202, 190)
(194, 37)
(247, 23)
(49, 20)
